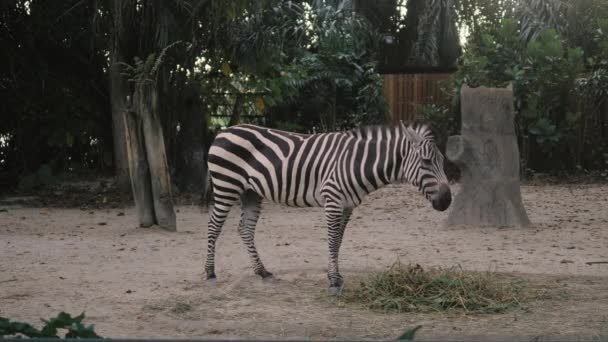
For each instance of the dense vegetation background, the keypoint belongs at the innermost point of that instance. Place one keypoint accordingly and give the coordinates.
(68, 70)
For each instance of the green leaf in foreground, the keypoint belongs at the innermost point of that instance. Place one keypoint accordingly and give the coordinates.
(73, 325)
(409, 333)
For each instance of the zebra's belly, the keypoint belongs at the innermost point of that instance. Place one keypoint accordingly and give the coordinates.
(302, 201)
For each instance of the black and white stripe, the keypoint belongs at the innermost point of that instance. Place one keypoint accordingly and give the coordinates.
(331, 170)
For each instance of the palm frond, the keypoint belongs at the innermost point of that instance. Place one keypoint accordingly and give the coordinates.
(425, 49)
(536, 16)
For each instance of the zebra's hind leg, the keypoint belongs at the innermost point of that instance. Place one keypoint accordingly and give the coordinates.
(337, 218)
(219, 213)
(251, 206)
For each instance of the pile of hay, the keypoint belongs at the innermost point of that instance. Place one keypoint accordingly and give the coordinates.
(413, 289)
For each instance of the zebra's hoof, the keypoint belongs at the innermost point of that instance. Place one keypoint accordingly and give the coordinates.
(335, 290)
(265, 275)
(270, 280)
(211, 279)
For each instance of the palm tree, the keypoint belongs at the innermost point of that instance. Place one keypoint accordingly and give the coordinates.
(437, 42)
(535, 16)
(420, 32)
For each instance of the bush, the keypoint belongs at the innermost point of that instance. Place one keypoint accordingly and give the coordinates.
(73, 325)
(543, 74)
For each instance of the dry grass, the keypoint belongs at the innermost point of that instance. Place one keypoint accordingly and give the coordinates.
(181, 308)
(413, 289)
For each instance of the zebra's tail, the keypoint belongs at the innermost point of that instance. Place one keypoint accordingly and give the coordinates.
(207, 194)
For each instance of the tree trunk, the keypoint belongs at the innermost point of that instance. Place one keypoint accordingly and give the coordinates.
(119, 90)
(448, 41)
(139, 170)
(147, 107)
(118, 94)
(487, 154)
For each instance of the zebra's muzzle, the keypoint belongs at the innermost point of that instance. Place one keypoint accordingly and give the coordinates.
(442, 199)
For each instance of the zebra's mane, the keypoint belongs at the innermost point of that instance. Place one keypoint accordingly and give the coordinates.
(424, 131)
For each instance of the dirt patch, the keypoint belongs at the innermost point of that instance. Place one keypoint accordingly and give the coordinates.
(135, 282)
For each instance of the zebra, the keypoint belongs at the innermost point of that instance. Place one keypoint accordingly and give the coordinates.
(330, 170)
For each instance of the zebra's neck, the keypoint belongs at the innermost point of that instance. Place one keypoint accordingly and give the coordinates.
(385, 150)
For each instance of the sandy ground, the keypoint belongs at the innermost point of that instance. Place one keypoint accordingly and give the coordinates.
(135, 282)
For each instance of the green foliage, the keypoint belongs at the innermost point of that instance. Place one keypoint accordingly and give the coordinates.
(53, 88)
(442, 121)
(43, 177)
(602, 36)
(437, 40)
(413, 289)
(542, 73)
(537, 16)
(339, 70)
(494, 61)
(370, 102)
(593, 91)
(409, 334)
(289, 126)
(308, 65)
(553, 53)
(146, 70)
(73, 326)
(480, 16)
(594, 87)
(27, 182)
(545, 89)
(45, 174)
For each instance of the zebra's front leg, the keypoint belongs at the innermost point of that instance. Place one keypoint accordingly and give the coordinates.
(337, 218)
(251, 205)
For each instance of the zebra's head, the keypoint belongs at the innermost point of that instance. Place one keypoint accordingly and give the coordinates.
(423, 166)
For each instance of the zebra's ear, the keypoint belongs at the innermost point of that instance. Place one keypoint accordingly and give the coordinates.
(411, 135)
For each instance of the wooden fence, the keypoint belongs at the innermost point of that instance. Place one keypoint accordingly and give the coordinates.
(405, 93)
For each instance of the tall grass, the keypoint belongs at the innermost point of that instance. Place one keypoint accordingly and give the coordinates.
(413, 289)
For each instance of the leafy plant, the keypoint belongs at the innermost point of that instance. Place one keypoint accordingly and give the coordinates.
(63, 321)
(145, 70)
(437, 42)
(441, 119)
(542, 73)
(537, 16)
(553, 54)
(409, 334)
(317, 66)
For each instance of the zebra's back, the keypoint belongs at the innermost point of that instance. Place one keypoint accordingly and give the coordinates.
(284, 167)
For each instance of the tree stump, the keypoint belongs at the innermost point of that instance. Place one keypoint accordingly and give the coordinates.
(146, 104)
(488, 157)
(138, 169)
(147, 160)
